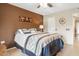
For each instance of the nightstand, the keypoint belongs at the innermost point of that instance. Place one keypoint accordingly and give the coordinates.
(3, 50)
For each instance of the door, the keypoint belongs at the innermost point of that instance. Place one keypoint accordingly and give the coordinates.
(77, 29)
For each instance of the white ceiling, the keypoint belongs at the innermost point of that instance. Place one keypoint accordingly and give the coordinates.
(58, 7)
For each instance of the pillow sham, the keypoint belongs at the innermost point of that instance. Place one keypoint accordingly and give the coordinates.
(26, 31)
(20, 31)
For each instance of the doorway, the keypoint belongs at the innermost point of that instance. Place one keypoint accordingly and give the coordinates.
(77, 28)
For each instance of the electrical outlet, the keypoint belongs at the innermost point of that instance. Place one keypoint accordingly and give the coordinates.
(2, 42)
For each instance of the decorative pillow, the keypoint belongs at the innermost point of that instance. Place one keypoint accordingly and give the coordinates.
(20, 31)
(33, 29)
(26, 31)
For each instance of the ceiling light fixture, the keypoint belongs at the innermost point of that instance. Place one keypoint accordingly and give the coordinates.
(45, 5)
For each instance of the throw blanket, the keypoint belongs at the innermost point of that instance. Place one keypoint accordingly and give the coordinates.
(35, 42)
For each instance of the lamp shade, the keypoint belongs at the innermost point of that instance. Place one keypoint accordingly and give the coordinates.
(41, 26)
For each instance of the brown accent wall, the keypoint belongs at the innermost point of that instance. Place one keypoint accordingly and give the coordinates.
(9, 21)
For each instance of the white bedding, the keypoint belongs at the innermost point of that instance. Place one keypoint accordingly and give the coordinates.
(20, 38)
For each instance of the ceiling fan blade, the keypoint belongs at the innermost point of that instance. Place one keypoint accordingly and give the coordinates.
(38, 6)
(49, 4)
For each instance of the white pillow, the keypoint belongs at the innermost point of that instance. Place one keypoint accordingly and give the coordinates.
(33, 29)
(25, 30)
(20, 31)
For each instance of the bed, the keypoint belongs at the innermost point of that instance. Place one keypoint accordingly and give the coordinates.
(35, 43)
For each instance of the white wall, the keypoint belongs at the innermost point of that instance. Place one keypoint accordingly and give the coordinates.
(66, 30)
(48, 27)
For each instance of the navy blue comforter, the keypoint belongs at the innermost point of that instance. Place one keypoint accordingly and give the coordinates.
(53, 47)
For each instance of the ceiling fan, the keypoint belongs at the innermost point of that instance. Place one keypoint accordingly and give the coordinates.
(45, 5)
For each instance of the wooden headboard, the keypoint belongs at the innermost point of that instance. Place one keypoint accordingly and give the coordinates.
(10, 21)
